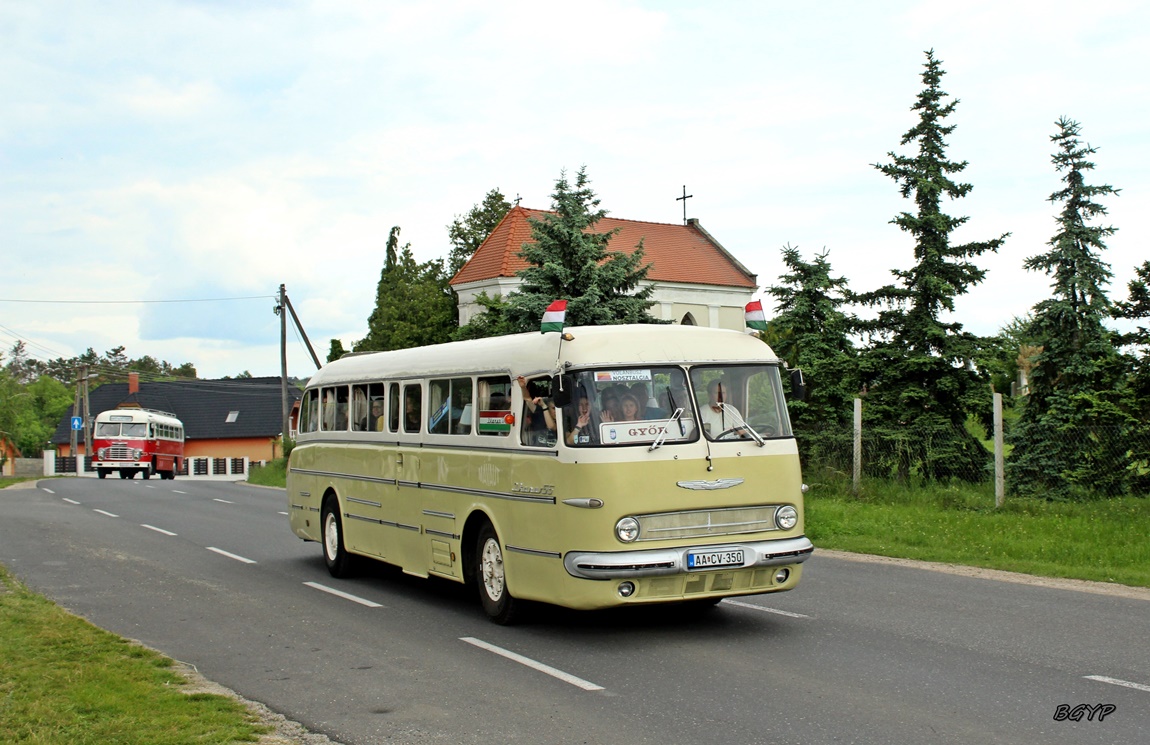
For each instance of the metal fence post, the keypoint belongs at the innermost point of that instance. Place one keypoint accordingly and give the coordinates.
(858, 445)
(999, 464)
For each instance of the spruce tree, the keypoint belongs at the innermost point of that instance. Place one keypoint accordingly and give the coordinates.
(569, 260)
(467, 232)
(919, 367)
(1069, 441)
(811, 331)
(414, 305)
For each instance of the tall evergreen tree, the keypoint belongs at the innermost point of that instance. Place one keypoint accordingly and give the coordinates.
(1069, 439)
(467, 232)
(569, 260)
(919, 366)
(811, 331)
(414, 305)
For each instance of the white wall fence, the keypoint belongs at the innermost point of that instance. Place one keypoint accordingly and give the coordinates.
(192, 467)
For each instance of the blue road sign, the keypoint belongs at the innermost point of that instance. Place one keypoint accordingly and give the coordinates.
(77, 423)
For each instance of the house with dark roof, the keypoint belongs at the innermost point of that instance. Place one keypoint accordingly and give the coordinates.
(697, 281)
(229, 418)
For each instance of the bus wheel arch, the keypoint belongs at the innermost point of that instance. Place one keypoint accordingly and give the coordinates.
(331, 537)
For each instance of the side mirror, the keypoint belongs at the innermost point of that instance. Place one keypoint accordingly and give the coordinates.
(798, 385)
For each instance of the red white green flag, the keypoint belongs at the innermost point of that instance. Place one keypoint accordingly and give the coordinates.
(756, 319)
(554, 317)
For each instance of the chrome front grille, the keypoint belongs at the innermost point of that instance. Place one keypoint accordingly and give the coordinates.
(661, 526)
(118, 452)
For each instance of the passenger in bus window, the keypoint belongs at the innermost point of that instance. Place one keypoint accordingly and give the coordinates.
(718, 416)
(411, 408)
(609, 409)
(581, 432)
(538, 414)
(629, 405)
(375, 424)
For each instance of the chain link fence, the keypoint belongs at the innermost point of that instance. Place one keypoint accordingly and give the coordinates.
(1083, 462)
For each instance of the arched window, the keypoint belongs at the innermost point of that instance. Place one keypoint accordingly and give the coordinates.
(688, 320)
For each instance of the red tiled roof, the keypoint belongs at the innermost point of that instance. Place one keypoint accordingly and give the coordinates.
(676, 253)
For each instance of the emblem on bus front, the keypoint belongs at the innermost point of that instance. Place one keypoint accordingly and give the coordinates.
(709, 485)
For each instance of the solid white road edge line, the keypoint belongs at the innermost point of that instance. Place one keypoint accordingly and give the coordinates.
(222, 552)
(534, 665)
(1117, 682)
(341, 594)
(764, 608)
(158, 530)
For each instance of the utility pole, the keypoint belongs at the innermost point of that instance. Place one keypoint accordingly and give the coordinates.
(285, 402)
(87, 418)
(75, 412)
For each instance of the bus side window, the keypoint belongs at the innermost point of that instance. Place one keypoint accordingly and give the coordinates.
(375, 415)
(393, 408)
(309, 411)
(359, 408)
(494, 397)
(412, 407)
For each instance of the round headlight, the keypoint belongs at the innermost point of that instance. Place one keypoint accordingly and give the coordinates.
(627, 529)
(100, 453)
(786, 517)
(138, 453)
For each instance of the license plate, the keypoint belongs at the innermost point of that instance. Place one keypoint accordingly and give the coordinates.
(714, 559)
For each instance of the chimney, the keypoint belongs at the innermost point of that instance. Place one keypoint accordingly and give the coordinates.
(133, 383)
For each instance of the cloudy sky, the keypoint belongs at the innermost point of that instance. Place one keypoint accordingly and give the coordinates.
(207, 152)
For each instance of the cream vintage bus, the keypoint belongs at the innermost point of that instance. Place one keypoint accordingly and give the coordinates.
(606, 466)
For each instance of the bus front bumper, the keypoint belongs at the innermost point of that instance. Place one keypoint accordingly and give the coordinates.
(664, 561)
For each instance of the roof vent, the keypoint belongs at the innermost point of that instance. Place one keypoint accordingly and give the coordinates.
(232, 417)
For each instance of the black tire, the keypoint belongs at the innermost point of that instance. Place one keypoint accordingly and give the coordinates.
(146, 473)
(331, 538)
(102, 473)
(491, 581)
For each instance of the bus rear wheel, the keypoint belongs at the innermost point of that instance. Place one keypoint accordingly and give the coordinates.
(491, 579)
(334, 553)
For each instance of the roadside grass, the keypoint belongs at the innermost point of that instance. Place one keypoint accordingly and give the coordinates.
(64, 681)
(273, 474)
(1102, 540)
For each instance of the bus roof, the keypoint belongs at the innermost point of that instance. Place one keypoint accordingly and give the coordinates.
(534, 353)
(133, 414)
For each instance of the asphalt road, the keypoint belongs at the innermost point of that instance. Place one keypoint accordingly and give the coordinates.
(209, 573)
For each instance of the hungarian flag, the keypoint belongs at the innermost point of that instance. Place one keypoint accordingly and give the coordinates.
(756, 319)
(554, 316)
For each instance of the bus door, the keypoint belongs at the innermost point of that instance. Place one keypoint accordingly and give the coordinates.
(402, 512)
(364, 498)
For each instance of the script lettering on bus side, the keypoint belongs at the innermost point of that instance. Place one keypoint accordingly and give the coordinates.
(546, 490)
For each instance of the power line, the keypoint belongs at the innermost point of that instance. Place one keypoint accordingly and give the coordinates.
(138, 302)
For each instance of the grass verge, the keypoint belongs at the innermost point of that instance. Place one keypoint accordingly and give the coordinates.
(1103, 540)
(273, 474)
(62, 680)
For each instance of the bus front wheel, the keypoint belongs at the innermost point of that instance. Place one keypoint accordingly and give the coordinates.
(491, 579)
(334, 553)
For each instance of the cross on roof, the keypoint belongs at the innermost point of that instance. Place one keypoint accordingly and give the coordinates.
(684, 199)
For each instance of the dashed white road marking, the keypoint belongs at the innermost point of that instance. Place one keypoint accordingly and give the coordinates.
(49, 491)
(764, 608)
(1117, 682)
(70, 501)
(177, 491)
(158, 530)
(230, 555)
(102, 512)
(533, 664)
(217, 499)
(344, 595)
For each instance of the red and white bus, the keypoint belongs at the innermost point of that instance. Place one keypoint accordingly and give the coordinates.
(140, 441)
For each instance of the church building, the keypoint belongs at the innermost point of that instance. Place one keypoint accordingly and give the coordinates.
(697, 281)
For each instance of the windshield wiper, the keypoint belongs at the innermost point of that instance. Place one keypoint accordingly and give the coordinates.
(666, 430)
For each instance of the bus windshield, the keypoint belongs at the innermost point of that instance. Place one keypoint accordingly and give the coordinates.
(734, 399)
(629, 406)
(113, 429)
